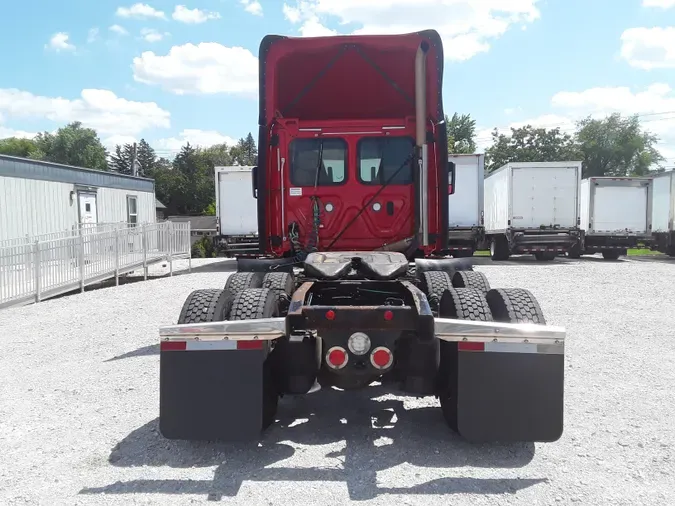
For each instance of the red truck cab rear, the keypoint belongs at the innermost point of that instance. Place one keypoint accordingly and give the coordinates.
(352, 145)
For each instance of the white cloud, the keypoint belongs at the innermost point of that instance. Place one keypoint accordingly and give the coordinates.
(120, 30)
(195, 137)
(655, 105)
(140, 11)
(92, 36)
(253, 7)
(192, 16)
(60, 42)
(98, 109)
(10, 132)
(663, 4)
(113, 140)
(206, 68)
(466, 26)
(649, 48)
(152, 35)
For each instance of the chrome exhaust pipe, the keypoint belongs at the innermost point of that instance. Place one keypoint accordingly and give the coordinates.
(421, 127)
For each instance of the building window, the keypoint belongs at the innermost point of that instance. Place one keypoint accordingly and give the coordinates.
(320, 162)
(132, 212)
(381, 157)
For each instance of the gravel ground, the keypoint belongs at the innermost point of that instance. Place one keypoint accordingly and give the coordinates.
(79, 401)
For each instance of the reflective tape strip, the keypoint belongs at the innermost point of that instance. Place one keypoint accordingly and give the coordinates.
(491, 347)
(220, 345)
(211, 345)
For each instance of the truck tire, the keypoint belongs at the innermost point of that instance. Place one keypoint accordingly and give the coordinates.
(545, 256)
(499, 248)
(471, 279)
(574, 252)
(611, 254)
(514, 305)
(239, 281)
(434, 284)
(465, 304)
(202, 306)
(252, 304)
(283, 286)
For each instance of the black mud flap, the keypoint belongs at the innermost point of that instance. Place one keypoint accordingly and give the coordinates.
(211, 395)
(510, 396)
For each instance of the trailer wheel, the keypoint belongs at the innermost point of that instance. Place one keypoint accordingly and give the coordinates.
(611, 254)
(499, 248)
(434, 284)
(201, 306)
(239, 281)
(252, 304)
(466, 304)
(471, 279)
(514, 305)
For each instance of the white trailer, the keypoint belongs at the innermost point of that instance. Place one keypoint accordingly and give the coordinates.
(236, 211)
(465, 207)
(663, 213)
(533, 207)
(615, 214)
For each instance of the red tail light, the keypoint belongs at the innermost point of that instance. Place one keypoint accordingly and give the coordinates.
(336, 357)
(381, 357)
(330, 315)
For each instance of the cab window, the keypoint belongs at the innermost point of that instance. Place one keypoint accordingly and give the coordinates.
(381, 157)
(321, 162)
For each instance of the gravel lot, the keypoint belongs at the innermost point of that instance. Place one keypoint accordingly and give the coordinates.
(79, 401)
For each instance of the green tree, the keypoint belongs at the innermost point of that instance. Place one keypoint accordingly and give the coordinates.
(121, 159)
(194, 174)
(461, 134)
(73, 145)
(147, 158)
(530, 144)
(219, 155)
(17, 146)
(245, 152)
(617, 146)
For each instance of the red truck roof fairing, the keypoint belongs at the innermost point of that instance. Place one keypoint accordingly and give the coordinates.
(347, 77)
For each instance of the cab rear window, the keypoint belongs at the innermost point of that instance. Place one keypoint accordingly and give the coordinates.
(320, 162)
(383, 159)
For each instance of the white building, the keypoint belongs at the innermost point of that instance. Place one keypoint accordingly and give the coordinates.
(42, 197)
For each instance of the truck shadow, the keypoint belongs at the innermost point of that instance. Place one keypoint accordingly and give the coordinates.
(369, 430)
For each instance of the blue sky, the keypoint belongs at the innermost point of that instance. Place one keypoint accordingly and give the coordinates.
(171, 72)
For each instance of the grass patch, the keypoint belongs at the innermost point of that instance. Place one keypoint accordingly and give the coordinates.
(642, 252)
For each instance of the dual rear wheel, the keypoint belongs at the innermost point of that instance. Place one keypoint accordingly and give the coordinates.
(467, 295)
(246, 296)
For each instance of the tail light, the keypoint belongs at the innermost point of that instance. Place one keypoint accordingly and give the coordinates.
(381, 357)
(336, 357)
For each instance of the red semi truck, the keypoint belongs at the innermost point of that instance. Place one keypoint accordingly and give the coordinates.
(350, 286)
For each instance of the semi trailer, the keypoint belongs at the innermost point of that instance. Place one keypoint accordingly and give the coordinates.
(465, 206)
(533, 208)
(236, 208)
(615, 215)
(663, 213)
(346, 291)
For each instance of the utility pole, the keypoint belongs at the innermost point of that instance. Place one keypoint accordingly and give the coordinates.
(134, 161)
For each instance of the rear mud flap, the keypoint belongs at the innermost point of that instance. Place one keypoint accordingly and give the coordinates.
(511, 396)
(211, 395)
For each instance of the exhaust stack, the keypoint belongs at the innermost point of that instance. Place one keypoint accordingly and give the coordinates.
(422, 148)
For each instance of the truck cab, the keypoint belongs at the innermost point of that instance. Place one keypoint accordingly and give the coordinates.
(352, 145)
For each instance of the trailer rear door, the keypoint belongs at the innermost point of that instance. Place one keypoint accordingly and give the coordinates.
(620, 209)
(544, 196)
